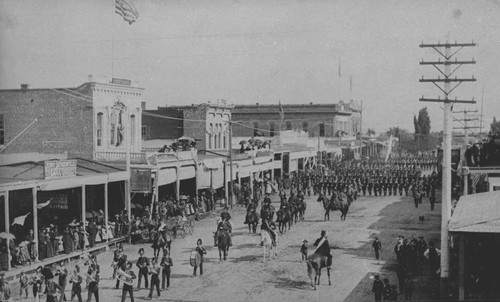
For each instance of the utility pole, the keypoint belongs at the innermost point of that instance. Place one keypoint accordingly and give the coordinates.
(231, 187)
(447, 90)
(361, 130)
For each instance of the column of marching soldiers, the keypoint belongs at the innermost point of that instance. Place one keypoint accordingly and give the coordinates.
(377, 177)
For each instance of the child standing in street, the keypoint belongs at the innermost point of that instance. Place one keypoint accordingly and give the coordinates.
(303, 250)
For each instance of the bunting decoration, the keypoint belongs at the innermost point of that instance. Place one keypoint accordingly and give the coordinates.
(43, 205)
(20, 220)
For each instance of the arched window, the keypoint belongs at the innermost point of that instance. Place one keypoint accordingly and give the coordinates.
(220, 135)
(210, 136)
(100, 116)
(132, 131)
(112, 129)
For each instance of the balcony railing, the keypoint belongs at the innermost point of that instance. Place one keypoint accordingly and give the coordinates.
(113, 156)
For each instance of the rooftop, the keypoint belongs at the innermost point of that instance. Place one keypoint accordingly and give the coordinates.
(477, 213)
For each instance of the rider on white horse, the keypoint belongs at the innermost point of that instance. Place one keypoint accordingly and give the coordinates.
(270, 227)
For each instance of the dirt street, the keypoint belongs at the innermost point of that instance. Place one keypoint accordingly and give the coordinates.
(245, 277)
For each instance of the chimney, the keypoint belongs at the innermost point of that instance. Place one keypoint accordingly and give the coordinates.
(90, 78)
(143, 105)
(25, 86)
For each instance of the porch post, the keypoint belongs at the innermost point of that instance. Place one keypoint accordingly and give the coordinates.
(461, 267)
(84, 216)
(178, 183)
(106, 213)
(35, 220)
(7, 225)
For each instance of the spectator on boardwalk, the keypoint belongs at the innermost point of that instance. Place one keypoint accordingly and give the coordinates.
(24, 284)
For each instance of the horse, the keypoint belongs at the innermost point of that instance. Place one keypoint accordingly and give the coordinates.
(335, 204)
(267, 212)
(223, 244)
(315, 263)
(302, 208)
(159, 243)
(282, 218)
(266, 242)
(253, 221)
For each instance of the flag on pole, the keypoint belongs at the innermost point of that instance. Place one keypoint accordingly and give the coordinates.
(20, 220)
(350, 84)
(340, 64)
(282, 112)
(389, 149)
(43, 205)
(127, 10)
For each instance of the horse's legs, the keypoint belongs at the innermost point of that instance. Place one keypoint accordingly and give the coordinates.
(319, 275)
(328, 272)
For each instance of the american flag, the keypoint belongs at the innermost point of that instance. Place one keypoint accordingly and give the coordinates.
(127, 10)
(282, 112)
(475, 180)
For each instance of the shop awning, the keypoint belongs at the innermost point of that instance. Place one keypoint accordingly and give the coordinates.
(167, 176)
(73, 182)
(294, 164)
(477, 213)
(263, 159)
(244, 171)
(217, 178)
(187, 172)
(262, 167)
(228, 171)
(203, 177)
(300, 154)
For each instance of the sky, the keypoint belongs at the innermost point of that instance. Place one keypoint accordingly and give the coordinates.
(259, 51)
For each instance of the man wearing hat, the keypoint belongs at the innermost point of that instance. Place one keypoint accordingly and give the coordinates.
(323, 247)
(303, 250)
(378, 288)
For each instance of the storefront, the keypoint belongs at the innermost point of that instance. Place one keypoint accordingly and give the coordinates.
(44, 201)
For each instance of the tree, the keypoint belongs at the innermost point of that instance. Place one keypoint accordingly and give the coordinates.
(370, 132)
(495, 127)
(394, 131)
(416, 125)
(424, 121)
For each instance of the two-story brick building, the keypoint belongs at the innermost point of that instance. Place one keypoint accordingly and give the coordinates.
(207, 124)
(324, 120)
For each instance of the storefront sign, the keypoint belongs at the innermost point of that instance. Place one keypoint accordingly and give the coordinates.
(140, 180)
(59, 168)
(59, 201)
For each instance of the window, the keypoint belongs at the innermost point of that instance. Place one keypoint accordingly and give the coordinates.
(304, 126)
(255, 128)
(288, 125)
(210, 136)
(272, 129)
(224, 140)
(99, 128)
(220, 136)
(112, 129)
(2, 130)
(132, 130)
(145, 132)
(322, 129)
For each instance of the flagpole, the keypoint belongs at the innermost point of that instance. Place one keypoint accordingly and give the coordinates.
(340, 76)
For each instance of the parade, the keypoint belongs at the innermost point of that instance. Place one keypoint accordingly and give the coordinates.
(249, 151)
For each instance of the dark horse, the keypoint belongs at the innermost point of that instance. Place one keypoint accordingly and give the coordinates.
(301, 208)
(160, 242)
(253, 221)
(267, 212)
(223, 244)
(334, 204)
(315, 263)
(282, 218)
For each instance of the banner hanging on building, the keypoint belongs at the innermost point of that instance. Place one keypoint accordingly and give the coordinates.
(140, 180)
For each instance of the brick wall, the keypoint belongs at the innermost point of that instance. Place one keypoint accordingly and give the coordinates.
(195, 129)
(64, 122)
(163, 128)
(295, 117)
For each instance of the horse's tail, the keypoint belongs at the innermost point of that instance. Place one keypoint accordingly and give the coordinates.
(310, 269)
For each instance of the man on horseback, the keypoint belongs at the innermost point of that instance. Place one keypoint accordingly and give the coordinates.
(225, 227)
(323, 248)
(268, 225)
